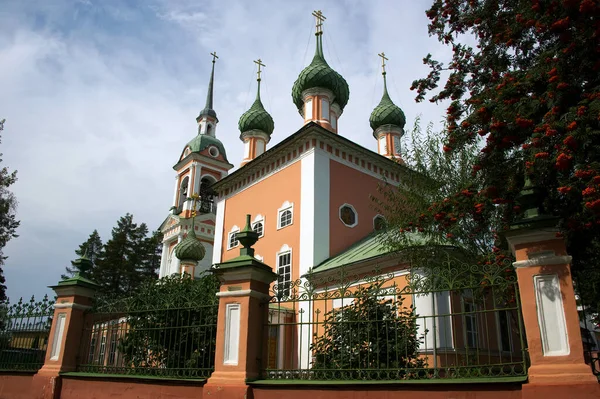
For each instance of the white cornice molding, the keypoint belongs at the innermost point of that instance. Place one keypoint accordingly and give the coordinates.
(544, 261)
(318, 91)
(203, 159)
(386, 129)
(243, 293)
(256, 134)
(71, 305)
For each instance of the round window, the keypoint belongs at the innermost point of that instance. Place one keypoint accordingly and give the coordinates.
(348, 215)
(213, 151)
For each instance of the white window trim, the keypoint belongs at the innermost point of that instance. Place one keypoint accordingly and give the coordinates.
(327, 107)
(355, 214)
(469, 299)
(259, 219)
(286, 206)
(284, 250)
(499, 332)
(233, 230)
(375, 218)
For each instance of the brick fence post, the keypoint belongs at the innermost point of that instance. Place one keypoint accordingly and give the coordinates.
(73, 298)
(550, 317)
(243, 311)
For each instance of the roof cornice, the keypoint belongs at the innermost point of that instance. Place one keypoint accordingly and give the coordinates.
(308, 131)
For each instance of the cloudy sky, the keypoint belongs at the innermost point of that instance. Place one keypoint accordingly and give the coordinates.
(101, 96)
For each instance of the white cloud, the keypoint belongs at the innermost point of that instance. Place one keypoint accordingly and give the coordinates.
(101, 97)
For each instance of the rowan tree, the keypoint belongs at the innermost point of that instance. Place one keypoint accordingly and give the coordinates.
(530, 87)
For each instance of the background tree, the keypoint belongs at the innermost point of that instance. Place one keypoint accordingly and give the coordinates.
(369, 334)
(117, 267)
(531, 88)
(151, 248)
(92, 248)
(8, 220)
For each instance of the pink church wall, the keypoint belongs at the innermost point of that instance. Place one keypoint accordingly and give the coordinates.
(350, 186)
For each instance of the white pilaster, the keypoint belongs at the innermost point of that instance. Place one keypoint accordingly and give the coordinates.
(219, 225)
(314, 232)
(176, 190)
(197, 175)
(164, 261)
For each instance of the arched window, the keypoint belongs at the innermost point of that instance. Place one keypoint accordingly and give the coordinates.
(207, 195)
(209, 129)
(183, 193)
(379, 223)
(285, 215)
(258, 225)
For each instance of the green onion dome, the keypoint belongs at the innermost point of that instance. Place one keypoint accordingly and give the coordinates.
(256, 118)
(387, 113)
(320, 74)
(190, 248)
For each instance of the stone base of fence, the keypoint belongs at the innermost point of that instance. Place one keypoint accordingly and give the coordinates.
(79, 385)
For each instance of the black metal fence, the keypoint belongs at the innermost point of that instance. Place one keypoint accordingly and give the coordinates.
(441, 322)
(159, 337)
(24, 330)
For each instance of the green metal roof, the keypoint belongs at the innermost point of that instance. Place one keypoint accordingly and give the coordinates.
(320, 74)
(190, 248)
(256, 118)
(203, 141)
(369, 247)
(386, 112)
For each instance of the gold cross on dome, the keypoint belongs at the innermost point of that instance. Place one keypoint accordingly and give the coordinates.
(320, 18)
(214, 54)
(383, 60)
(259, 63)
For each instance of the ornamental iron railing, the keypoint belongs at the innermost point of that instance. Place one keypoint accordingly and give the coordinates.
(449, 321)
(172, 339)
(24, 330)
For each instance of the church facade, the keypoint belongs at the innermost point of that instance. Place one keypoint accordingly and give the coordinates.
(297, 191)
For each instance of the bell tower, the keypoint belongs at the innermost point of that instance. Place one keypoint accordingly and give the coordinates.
(202, 162)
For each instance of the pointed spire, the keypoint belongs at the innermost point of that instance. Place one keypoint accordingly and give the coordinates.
(208, 108)
(257, 118)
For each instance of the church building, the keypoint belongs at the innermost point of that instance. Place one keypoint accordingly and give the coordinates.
(297, 191)
(310, 198)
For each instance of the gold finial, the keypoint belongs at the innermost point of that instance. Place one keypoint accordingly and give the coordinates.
(383, 60)
(259, 63)
(214, 54)
(320, 18)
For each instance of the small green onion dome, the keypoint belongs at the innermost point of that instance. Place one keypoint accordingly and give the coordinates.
(320, 74)
(256, 118)
(387, 113)
(190, 248)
